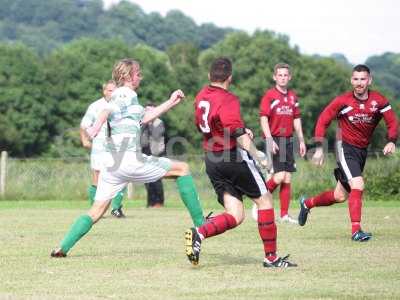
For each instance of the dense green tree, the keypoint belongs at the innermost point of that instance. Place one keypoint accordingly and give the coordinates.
(24, 111)
(75, 73)
(58, 87)
(316, 80)
(183, 58)
(45, 25)
(386, 73)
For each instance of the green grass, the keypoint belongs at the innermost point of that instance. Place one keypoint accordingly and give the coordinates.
(43, 179)
(142, 256)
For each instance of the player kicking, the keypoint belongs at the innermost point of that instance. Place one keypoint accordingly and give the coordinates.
(358, 113)
(229, 153)
(125, 115)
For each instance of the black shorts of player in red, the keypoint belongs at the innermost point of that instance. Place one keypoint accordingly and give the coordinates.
(283, 159)
(234, 171)
(351, 162)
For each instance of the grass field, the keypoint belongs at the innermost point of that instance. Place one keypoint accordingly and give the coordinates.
(142, 256)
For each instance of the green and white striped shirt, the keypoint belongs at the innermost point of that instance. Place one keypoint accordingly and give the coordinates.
(125, 120)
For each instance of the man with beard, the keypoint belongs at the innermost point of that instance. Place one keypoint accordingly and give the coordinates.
(358, 112)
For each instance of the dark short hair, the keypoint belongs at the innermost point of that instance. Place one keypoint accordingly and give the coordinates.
(105, 84)
(150, 104)
(220, 69)
(361, 68)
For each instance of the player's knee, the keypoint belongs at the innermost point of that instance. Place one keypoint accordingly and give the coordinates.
(357, 183)
(340, 197)
(265, 201)
(279, 177)
(238, 215)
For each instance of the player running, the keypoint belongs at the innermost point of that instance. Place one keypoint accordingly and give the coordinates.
(229, 153)
(358, 112)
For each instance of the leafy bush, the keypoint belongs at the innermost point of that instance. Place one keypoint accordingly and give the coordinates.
(382, 178)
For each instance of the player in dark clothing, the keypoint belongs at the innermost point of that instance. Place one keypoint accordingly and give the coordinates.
(358, 113)
(229, 153)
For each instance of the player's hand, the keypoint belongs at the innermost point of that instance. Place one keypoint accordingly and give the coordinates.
(176, 97)
(389, 148)
(92, 132)
(302, 149)
(87, 144)
(318, 157)
(274, 147)
(249, 132)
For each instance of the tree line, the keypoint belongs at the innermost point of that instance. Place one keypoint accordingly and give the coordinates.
(55, 55)
(43, 99)
(45, 25)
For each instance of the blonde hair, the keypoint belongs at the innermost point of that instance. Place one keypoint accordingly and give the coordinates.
(123, 69)
(282, 66)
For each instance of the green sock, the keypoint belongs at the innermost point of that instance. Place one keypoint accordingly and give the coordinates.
(117, 200)
(80, 227)
(190, 198)
(92, 192)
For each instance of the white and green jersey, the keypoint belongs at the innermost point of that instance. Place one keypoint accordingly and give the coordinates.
(90, 117)
(125, 120)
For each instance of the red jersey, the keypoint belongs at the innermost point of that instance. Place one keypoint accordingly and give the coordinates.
(357, 119)
(281, 110)
(217, 116)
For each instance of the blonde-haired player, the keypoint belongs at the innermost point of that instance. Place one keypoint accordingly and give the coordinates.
(125, 116)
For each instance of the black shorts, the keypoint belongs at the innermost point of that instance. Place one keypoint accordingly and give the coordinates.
(236, 173)
(283, 160)
(351, 162)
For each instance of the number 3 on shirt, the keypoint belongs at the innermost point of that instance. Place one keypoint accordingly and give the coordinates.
(205, 107)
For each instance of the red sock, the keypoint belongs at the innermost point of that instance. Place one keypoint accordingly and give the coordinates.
(218, 224)
(284, 196)
(271, 185)
(267, 230)
(355, 205)
(324, 199)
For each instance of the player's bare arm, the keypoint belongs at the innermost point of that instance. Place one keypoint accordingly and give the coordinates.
(299, 132)
(245, 142)
(175, 98)
(85, 140)
(318, 157)
(101, 119)
(271, 145)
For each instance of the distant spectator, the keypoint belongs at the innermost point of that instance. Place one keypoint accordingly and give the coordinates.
(153, 143)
